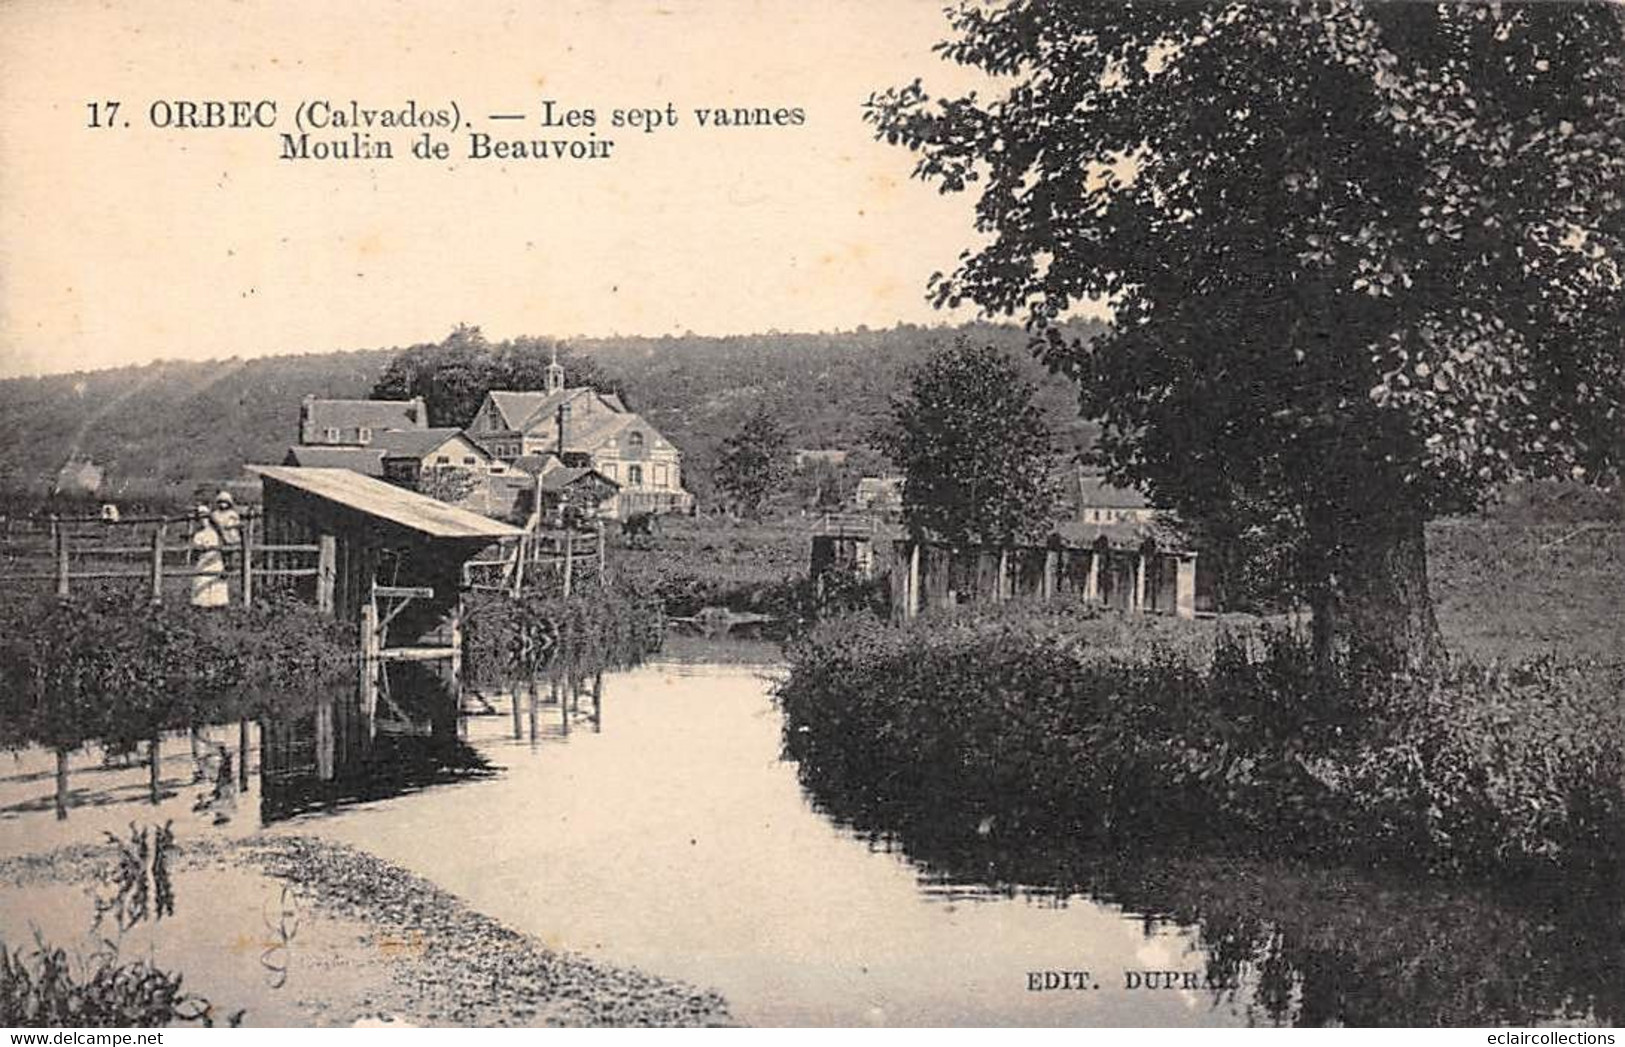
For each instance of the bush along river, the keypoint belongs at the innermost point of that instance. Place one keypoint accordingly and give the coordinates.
(667, 833)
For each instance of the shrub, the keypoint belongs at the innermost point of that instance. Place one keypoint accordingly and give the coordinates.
(1038, 723)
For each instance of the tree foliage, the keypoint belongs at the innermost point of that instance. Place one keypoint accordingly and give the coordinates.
(754, 461)
(977, 458)
(454, 374)
(1364, 259)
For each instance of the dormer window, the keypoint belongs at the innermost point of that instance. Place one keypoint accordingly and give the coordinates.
(363, 435)
(634, 441)
(331, 435)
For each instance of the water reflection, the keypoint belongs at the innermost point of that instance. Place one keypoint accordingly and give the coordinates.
(1305, 945)
(666, 833)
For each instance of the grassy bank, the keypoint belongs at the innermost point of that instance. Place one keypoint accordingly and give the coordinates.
(1048, 721)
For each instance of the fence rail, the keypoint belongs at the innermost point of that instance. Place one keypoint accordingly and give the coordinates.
(75, 554)
(562, 558)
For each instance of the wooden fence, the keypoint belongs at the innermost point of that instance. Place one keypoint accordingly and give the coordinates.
(559, 560)
(1138, 580)
(144, 552)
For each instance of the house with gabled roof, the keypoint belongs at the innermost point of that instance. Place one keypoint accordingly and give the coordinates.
(354, 423)
(585, 428)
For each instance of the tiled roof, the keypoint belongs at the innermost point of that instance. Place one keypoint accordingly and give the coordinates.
(369, 461)
(1095, 493)
(559, 479)
(368, 414)
(415, 443)
(375, 498)
(536, 463)
(523, 410)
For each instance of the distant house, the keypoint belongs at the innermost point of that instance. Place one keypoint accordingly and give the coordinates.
(356, 423)
(78, 475)
(879, 494)
(368, 461)
(411, 458)
(805, 457)
(541, 489)
(409, 453)
(585, 427)
(1101, 503)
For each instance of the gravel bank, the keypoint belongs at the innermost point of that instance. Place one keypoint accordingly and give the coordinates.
(436, 962)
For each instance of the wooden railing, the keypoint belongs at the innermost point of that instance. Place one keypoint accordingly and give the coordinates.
(562, 558)
(80, 551)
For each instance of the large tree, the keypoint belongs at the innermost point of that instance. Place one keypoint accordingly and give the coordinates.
(1364, 259)
(454, 374)
(754, 461)
(977, 457)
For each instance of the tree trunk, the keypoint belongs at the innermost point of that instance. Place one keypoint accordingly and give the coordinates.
(1386, 609)
(61, 785)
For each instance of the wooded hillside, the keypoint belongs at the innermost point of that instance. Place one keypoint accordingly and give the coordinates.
(158, 429)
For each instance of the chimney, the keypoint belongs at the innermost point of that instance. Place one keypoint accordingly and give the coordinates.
(305, 406)
(564, 424)
(419, 412)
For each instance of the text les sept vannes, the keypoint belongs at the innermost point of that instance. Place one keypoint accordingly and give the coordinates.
(328, 130)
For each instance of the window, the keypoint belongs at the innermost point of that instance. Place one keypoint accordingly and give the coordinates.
(468, 459)
(634, 442)
(634, 475)
(610, 469)
(363, 435)
(442, 459)
(330, 435)
(658, 475)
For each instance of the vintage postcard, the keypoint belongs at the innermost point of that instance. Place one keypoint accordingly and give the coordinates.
(758, 513)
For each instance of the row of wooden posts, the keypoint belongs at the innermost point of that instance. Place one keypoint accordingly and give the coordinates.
(925, 575)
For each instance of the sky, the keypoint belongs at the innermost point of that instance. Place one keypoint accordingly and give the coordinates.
(126, 244)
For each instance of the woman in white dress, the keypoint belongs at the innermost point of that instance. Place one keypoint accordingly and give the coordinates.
(208, 564)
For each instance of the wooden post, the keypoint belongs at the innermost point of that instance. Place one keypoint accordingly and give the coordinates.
(155, 756)
(326, 572)
(247, 533)
(61, 560)
(569, 559)
(158, 538)
(324, 738)
(369, 667)
(603, 564)
(1185, 586)
(520, 551)
(62, 785)
(1139, 602)
(598, 702)
(1001, 589)
(242, 755)
(1091, 582)
(911, 595)
(1052, 567)
(457, 653)
(562, 696)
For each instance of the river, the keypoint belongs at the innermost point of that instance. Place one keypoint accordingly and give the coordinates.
(675, 840)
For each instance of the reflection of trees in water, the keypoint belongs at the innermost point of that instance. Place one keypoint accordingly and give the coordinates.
(1317, 946)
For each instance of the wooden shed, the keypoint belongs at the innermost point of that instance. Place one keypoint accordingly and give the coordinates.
(383, 535)
(397, 572)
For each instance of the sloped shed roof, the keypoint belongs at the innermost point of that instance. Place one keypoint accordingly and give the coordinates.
(376, 498)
